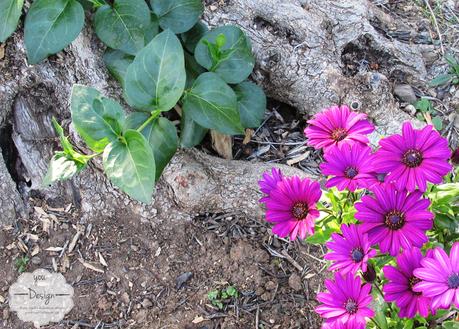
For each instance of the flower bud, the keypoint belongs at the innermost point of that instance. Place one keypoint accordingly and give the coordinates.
(370, 274)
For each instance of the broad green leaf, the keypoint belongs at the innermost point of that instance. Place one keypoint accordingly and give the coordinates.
(191, 134)
(251, 101)
(61, 167)
(177, 15)
(441, 80)
(161, 135)
(97, 119)
(213, 104)
(156, 78)
(193, 70)
(117, 63)
(50, 26)
(10, 12)
(235, 62)
(130, 165)
(191, 38)
(122, 25)
(152, 29)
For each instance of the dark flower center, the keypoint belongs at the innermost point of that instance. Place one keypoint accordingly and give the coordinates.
(453, 281)
(300, 210)
(412, 282)
(339, 134)
(350, 172)
(412, 158)
(394, 220)
(381, 177)
(351, 306)
(357, 254)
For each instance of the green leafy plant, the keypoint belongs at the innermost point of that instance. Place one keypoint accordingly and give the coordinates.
(451, 77)
(165, 59)
(427, 113)
(21, 263)
(220, 298)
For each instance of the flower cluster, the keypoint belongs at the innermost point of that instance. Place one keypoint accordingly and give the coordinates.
(392, 217)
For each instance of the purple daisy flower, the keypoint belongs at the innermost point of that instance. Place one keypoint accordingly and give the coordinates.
(401, 283)
(269, 182)
(394, 218)
(350, 250)
(292, 207)
(413, 158)
(350, 164)
(439, 276)
(337, 125)
(347, 301)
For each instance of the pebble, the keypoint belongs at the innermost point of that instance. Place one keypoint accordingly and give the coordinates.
(294, 282)
(134, 247)
(182, 279)
(6, 314)
(125, 298)
(405, 93)
(270, 285)
(410, 109)
(146, 303)
(36, 260)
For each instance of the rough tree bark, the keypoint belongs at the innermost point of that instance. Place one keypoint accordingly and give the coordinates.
(303, 50)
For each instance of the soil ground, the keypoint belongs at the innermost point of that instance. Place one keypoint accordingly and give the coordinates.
(160, 276)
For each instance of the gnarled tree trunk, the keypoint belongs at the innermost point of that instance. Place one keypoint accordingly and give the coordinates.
(310, 54)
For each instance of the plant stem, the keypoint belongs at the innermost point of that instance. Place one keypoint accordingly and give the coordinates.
(376, 323)
(153, 116)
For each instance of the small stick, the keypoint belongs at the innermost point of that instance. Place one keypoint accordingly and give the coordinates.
(436, 25)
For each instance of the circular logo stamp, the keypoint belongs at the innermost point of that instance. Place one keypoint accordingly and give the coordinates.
(41, 297)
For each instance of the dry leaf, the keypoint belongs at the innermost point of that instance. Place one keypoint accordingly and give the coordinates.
(158, 252)
(102, 260)
(2, 299)
(2, 51)
(248, 136)
(65, 264)
(35, 250)
(91, 266)
(40, 211)
(54, 264)
(223, 144)
(54, 249)
(298, 158)
(74, 241)
(198, 319)
(22, 246)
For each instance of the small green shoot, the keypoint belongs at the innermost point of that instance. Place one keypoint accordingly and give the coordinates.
(220, 298)
(427, 113)
(21, 263)
(451, 77)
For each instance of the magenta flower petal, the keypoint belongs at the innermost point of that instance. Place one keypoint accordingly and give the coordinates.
(439, 278)
(394, 219)
(269, 182)
(350, 164)
(336, 126)
(413, 158)
(350, 251)
(399, 289)
(346, 302)
(291, 206)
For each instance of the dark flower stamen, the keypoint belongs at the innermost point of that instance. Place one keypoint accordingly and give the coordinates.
(300, 210)
(412, 282)
(394, 220)
(350, 172)
(351, 306)
(357, 254)
(381, 177)
(339, 134)
(412, 158)
(453, 281)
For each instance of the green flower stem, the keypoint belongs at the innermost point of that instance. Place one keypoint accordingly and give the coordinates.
(153, 116)
(376, 323)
